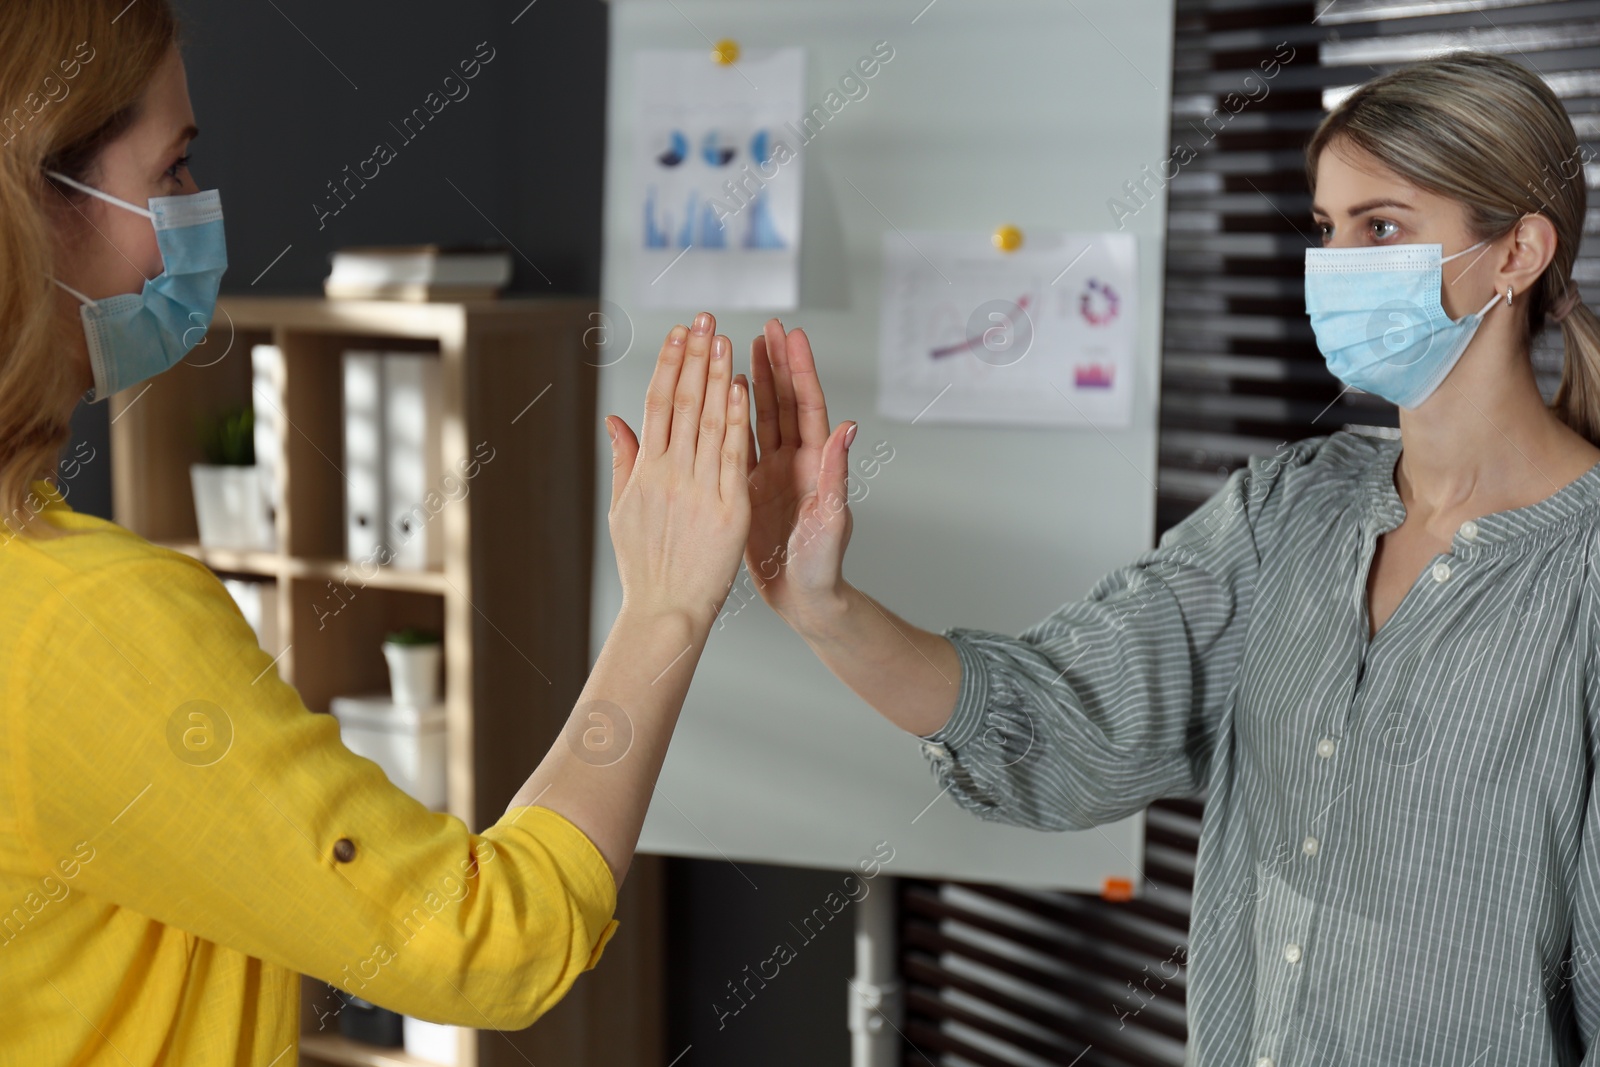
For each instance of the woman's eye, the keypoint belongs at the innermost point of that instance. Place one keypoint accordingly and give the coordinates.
(1383, 228)
(1324, 231)
(181, 164)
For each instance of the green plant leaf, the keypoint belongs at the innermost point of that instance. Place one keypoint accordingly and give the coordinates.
(412, 635)
(228, 439)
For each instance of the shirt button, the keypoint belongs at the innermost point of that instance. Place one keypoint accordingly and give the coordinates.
(1441, 571)
(1309, 846)
(1325, 747)
(1264, 1061)
(1291, 952)
(935, 749)
(1469, 530)
(344, 850)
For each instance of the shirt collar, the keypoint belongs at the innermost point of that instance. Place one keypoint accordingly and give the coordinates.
(1385, 511)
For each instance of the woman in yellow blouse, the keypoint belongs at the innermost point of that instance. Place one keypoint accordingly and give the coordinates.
(155, 910)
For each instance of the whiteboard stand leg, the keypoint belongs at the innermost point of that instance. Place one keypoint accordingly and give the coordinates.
(876, 998)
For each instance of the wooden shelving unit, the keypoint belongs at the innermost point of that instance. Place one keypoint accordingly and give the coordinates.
(512, 597)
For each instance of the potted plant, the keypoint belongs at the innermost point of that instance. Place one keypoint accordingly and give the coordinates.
(414, 656)
(230, 508)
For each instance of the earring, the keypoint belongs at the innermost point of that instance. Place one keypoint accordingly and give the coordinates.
(1508, 296)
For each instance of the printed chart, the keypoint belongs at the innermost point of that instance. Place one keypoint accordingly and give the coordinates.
(1043, 335)
(718, 178)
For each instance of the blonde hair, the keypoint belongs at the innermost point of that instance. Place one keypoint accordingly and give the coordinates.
(1489, 133)
(74, 74)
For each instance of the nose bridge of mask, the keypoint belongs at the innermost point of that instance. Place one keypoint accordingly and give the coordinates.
(1410, 267)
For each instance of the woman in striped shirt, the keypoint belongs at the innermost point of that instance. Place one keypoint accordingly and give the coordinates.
(1374, 655)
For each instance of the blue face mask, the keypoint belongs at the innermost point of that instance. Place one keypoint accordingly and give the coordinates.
(1378, 319)
(134, 336)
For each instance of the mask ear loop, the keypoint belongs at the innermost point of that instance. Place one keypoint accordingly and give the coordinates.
(1483, 310)
(107, 197)
(1464, 251)
(87, 300)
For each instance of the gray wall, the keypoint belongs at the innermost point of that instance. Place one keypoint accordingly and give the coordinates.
(278, 120)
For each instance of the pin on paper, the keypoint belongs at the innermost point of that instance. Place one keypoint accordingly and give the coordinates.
(1007, 238)
(726, 51)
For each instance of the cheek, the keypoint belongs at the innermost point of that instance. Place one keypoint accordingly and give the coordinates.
(124, 252)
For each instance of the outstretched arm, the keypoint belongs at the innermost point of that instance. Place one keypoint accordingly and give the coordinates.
(679, 514)
(1111, 702)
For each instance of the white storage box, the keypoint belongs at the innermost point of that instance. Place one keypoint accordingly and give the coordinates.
(434, 1042)
(407, 742)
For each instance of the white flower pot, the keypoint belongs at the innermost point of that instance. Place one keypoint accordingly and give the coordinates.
(230, 507)
(414, 673)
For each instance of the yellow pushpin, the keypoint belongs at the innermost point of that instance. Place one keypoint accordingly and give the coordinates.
(1007, 238)
(726, 51)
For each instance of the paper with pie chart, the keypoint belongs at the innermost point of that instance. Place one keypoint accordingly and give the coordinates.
(1043, 335)
(717, 177)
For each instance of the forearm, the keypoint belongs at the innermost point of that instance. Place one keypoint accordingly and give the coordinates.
(910, 675)
(602, 769)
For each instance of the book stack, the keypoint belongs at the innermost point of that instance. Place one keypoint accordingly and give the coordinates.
(419, 273)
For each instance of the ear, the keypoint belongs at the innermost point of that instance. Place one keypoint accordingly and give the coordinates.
(1533, 246)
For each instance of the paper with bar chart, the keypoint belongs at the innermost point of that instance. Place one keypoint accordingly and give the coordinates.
(717, 190)
(1043, 335)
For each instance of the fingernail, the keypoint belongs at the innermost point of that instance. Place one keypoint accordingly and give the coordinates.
(737, 392)
(850, 434)
(677, 334)
(612, 431)
(719, 346)
(702, 323)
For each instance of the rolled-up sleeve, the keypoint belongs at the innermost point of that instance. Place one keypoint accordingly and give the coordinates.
(1115, 700)
(149, 723)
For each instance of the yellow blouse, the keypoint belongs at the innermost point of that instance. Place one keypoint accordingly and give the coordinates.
(180, 837)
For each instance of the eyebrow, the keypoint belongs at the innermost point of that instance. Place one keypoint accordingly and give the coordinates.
(188, 133)
(1361, 209)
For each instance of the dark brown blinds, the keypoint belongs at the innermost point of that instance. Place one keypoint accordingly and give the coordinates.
(1004, 977)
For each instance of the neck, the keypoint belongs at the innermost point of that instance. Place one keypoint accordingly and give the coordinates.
(1485, 436)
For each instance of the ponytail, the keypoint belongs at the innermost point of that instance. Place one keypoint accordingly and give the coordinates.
(1577, 401)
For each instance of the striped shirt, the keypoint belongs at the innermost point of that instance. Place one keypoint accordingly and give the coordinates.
(1393, 867)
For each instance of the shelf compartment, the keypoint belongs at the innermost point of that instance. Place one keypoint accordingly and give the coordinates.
(336, 635)
(154, 496)
(313, 445)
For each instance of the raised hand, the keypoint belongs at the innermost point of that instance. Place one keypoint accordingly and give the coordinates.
(799, 507)
(680, 505)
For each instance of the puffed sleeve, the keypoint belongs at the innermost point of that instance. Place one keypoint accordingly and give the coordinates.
(1115, 700)
(218, 803)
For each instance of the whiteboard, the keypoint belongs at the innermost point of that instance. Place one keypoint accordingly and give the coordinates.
(1036, 113)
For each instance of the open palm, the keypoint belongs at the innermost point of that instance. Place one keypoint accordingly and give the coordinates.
(799, 506)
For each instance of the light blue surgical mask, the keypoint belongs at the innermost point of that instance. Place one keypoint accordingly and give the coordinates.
(1378, 319)
(135, 336)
